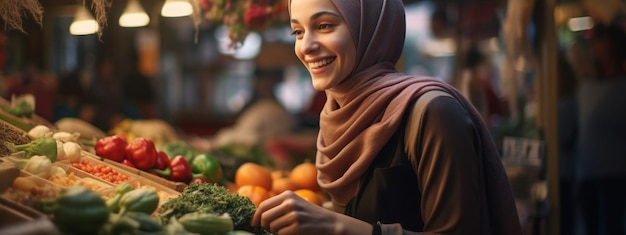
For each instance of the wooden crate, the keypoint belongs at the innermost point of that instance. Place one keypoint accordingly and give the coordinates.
(12, 134)
(138, 174)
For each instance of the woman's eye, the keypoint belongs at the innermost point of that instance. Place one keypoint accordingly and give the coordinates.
(325, 26)
(296, 32)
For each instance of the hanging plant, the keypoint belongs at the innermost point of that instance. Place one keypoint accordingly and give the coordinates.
(13, 12)
(244, 16)
(100, 8)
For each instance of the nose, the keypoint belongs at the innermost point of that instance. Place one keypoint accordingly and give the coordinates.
(309, 44)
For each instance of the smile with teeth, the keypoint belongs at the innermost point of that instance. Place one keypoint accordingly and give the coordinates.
(321, 63)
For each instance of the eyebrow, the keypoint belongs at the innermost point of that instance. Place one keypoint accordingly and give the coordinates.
(317, 15)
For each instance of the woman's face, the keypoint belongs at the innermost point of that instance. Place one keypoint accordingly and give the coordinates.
(323, 42)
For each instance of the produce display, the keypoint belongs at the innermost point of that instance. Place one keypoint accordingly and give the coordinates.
(131, 185)
(175, 162)
(101, 171)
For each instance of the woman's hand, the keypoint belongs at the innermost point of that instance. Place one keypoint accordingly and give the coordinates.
(287, 213)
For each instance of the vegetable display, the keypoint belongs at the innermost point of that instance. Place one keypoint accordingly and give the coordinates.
(174, 149)
(206, 223)
(214, 199)
(114, 203)
(139, 200)
(206, 166)
(38, 165)
(71, 151)
(178, 170)
(101, 171)
(44, 145)
(163, 160)
(142, 153)
(22, 105)
(77, 210)
(111, 147)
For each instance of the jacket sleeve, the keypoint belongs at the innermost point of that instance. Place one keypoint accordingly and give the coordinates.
(444, 157)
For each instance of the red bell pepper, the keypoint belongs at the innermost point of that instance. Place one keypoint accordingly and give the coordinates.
(163, 160)
(179, 170)
(142, 153)
(111, 147)
(199, 180)
(128, 163)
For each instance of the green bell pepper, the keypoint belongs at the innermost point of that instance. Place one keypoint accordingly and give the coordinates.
(204, 165)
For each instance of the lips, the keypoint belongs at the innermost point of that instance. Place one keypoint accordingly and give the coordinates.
(321, 63)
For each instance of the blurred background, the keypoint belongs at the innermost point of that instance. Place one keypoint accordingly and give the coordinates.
(504, 55)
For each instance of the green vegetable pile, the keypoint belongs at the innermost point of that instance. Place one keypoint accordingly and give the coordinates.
(214, 199)
(79, 210)
(21, 106)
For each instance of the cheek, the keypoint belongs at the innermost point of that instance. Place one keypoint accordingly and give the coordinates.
(298, 53)
(343, 45)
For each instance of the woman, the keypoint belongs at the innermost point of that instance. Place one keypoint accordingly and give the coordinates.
(444, 176)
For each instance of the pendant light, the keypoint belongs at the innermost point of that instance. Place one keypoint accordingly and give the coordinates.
(176, 8)
(134, 15)
(83, 23)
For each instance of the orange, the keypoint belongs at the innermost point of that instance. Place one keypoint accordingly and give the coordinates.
(282, 184)
(305, 176)
(309, 195)
(232, 187)
(276, 174)
(251, 173)
(256, 194)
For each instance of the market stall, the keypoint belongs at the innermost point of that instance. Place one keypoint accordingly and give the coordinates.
(127, 183)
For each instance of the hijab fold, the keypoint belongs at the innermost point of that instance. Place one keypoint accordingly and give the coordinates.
(358, 124)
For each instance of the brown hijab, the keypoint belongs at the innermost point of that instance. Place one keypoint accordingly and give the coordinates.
(373, 98)
(365, 110)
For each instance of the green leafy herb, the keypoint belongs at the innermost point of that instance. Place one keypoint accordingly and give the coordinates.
(212, 198)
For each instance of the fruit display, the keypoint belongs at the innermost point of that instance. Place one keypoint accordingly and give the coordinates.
(134, 186)
(258, 182)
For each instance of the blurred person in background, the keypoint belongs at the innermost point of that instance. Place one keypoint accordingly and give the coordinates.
(139, 96)
(477, 85)
(71, 101)
(106, 92)
(289, 150)
(601, 162)
(262, 119)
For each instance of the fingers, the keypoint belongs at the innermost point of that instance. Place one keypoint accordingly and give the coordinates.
(282, 223)
(267, 205)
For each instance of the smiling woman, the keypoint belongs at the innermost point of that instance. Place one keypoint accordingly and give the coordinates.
(398, 154)
(321, 44)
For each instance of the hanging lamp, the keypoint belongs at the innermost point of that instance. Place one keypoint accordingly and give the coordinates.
(176, 8)
(134, 15)
(83, 23)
